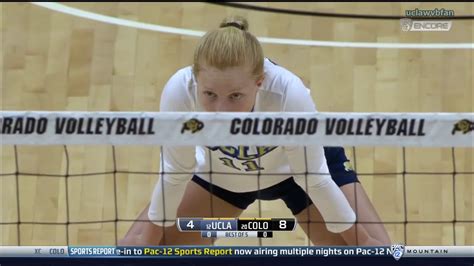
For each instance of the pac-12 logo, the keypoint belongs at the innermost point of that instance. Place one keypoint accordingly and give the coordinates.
(464, 126)
(397, 251)
(192, 125)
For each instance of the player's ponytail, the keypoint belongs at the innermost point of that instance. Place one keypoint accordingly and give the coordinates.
(230, 46)
(235, 21)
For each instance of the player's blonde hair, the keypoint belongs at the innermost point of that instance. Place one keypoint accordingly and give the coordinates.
(229, 46)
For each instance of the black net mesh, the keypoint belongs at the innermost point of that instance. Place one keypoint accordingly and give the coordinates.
(405, 174)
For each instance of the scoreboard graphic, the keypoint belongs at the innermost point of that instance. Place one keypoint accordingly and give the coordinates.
(235, 227)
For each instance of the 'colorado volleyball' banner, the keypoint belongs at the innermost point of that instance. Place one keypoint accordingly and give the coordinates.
(275, 129)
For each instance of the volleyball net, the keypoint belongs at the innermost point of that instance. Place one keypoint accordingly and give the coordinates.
(417, 167)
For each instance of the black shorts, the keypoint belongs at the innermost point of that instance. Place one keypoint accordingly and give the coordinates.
(294, 196)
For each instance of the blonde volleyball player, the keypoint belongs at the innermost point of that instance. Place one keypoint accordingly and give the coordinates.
(230, 74)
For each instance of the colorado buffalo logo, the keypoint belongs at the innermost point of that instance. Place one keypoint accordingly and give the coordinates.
(464, 126)
(192, 125)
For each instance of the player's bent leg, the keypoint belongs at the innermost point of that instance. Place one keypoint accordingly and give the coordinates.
(313, 225)
(307, 215)
(142, 232)
(367, 216)
(317, 232)
(197, 203)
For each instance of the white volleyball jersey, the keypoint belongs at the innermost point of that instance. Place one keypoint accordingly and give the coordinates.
(235, 168)
(242, 168)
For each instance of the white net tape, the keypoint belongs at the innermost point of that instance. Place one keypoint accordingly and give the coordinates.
(152, 128)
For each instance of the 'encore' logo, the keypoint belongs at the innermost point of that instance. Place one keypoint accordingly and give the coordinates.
(425, 25)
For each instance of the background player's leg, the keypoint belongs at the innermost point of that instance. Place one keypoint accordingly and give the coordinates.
(315, 228)
(143, 232)
(319, 235)
(197, 203)
(366, 212)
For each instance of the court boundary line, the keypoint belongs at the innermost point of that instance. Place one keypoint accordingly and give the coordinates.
(298, 12)
(268, 40)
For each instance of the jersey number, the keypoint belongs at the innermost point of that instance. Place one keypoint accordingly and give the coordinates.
(248, 165)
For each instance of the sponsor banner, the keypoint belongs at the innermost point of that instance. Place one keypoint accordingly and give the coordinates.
(438, 251)
(181, 129)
